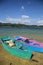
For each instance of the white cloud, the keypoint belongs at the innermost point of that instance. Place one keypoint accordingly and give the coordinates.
(22, 7)
(24, 19)
(13, 20)
(40, 22)
(25, 16)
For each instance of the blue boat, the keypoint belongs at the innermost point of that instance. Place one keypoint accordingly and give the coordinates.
(30, 44)
(15, 47)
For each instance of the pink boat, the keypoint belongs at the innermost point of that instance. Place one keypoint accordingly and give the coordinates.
(30, 44)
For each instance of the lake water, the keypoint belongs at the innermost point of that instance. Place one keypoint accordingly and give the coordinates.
(33, 33)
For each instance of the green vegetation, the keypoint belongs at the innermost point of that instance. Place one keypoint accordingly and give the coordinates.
(20, 25)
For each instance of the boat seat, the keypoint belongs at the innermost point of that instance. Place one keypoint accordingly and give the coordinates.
(10, 43)
(27, 41)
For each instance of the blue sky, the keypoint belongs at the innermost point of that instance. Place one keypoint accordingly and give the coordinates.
(21, 11)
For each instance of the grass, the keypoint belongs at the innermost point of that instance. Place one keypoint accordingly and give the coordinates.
(8, 59)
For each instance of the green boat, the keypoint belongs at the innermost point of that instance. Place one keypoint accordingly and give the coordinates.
(16, 47)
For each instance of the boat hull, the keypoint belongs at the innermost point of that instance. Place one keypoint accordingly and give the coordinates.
(32, 45)
(18, 52)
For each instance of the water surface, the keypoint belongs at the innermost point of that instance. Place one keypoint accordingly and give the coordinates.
(33, 33)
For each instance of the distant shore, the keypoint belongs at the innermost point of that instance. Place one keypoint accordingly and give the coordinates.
(20, 25)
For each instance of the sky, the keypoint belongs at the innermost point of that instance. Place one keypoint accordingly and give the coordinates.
(29, 12)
